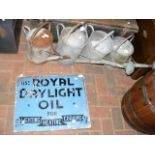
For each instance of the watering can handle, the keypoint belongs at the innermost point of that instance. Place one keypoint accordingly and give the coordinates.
(130, 38)
(109, 34)
(39, 28)
(73, 29)
(58, 30)
(76, 27)
(26, 30)
(91, 27)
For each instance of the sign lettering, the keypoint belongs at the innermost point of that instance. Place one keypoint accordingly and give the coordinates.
(51, 103)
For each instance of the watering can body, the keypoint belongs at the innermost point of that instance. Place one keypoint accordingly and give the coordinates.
(122, 50)
(71, 42)
(39, 43)
(99, 45)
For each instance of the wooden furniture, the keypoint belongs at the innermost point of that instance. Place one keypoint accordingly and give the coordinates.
(144, 44)
(138, 104)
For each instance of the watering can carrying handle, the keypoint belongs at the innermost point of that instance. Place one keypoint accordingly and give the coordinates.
(26, 30)
(58, 29)
(91, 27)
(71, 30)
(39, 28)
(76, 27)
(108, 35)
(130, 38)
(80, 25)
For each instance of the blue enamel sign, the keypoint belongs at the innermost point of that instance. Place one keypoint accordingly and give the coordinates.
(51, 103)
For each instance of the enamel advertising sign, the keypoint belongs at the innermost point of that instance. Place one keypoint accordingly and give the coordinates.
(46, 103)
